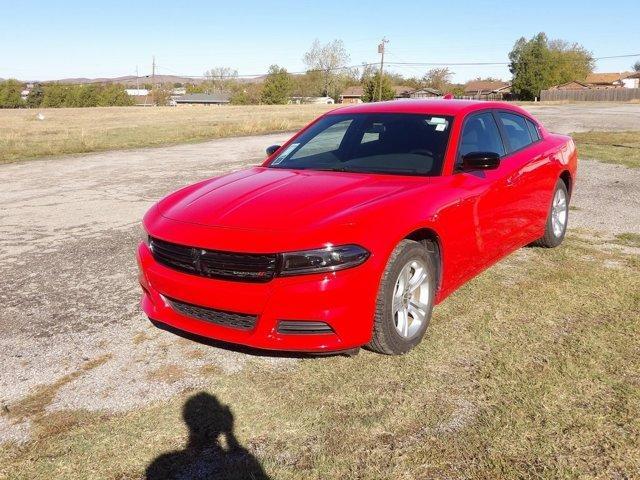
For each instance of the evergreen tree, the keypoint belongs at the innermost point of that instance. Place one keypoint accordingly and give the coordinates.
(277, 86)
(10, 94)
(372, 88)
(35, 97)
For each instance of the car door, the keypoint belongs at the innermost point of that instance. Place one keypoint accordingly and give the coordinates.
(528, 181)
(485, 200)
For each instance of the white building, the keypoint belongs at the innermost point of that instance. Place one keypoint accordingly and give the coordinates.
(137, 92)
(632, 81)
(312, 100)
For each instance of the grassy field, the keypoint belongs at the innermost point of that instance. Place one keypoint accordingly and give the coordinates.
(529, 371)
(79, 130)
(610, 147)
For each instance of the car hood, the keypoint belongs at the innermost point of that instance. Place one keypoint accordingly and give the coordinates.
(278, 199)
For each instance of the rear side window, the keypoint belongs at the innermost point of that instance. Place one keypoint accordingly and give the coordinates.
(480, 134)
(533, 130)
(516, 129)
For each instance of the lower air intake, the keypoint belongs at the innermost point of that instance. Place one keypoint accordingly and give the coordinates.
(294, 327)
(241, 321)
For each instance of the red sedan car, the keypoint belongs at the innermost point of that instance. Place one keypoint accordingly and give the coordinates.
(352, 231)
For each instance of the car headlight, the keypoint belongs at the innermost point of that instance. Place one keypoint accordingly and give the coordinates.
(328, 259)
(143, 235)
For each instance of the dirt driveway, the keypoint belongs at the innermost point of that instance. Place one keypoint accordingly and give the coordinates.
(68, 229)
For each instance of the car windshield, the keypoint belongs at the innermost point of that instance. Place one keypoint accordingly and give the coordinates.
(390, 143)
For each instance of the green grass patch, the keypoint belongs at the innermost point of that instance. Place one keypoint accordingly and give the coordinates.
(621, 148)
(529, 371)
(629, 239)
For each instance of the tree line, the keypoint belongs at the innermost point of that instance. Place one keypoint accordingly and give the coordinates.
(55, 95)
(535, 64)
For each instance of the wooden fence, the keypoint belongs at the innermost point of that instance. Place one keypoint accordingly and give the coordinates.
(592, 95)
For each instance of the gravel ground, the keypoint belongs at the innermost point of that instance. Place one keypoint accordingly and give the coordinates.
(68, 230)
(583, 117)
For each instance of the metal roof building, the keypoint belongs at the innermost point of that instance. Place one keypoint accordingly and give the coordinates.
(203, 99)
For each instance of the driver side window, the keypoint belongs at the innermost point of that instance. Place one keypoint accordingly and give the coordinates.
(327, 141)
(480, 134)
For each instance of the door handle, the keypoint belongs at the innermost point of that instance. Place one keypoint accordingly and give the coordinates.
(513, 179)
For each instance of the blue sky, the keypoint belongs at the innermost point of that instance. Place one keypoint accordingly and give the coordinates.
(50, 40)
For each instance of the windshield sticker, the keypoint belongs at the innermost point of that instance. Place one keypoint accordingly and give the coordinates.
(285, 154)
(437, 121)
(440, 127)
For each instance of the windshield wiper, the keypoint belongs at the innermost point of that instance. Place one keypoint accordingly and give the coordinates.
(330, 169)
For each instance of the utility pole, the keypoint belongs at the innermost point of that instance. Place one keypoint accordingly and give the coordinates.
(153, 71)
(381, 52)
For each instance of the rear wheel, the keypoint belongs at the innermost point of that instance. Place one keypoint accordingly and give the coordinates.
(557, 218)
(405, 299)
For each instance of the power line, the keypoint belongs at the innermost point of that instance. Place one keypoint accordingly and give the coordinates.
(254, 75)
(369, 64)
(458, 64)
(619, 56)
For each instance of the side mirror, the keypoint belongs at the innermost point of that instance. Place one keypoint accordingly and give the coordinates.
(480, 161)
(272, 149)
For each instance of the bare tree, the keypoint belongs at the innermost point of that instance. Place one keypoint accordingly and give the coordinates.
(438, 78)
(329, 59)
(221, 78)
(636, 66)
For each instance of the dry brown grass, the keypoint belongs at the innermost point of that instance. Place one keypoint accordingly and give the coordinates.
(80, 130)
(529, 371)
(34, 405)
(167, 373)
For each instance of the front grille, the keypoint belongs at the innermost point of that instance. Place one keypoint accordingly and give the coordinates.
(241, 321)
(248, 267)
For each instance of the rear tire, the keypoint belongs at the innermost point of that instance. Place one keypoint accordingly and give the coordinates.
(557, 218)
(405, 299)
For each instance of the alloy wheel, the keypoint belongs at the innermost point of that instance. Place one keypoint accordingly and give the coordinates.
(411, 299)
(559, 212)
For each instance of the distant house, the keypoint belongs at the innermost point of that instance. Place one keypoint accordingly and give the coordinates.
(602, 81)
(607, 80)
(572, 85)
(203, 99)
(487, 89)
(352, 95)
(632, 81)
(425, 93)
(402, 91)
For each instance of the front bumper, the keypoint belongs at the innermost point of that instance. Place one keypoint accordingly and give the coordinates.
(345, 300)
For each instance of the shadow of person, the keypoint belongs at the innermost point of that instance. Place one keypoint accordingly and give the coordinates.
(205, 456)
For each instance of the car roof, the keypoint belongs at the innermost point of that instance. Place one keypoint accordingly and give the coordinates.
(431, 106)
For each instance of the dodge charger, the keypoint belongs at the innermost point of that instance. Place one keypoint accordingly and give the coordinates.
(350, 233)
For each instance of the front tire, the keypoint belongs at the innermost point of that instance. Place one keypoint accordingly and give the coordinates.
(557, 219)
(405, 299)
